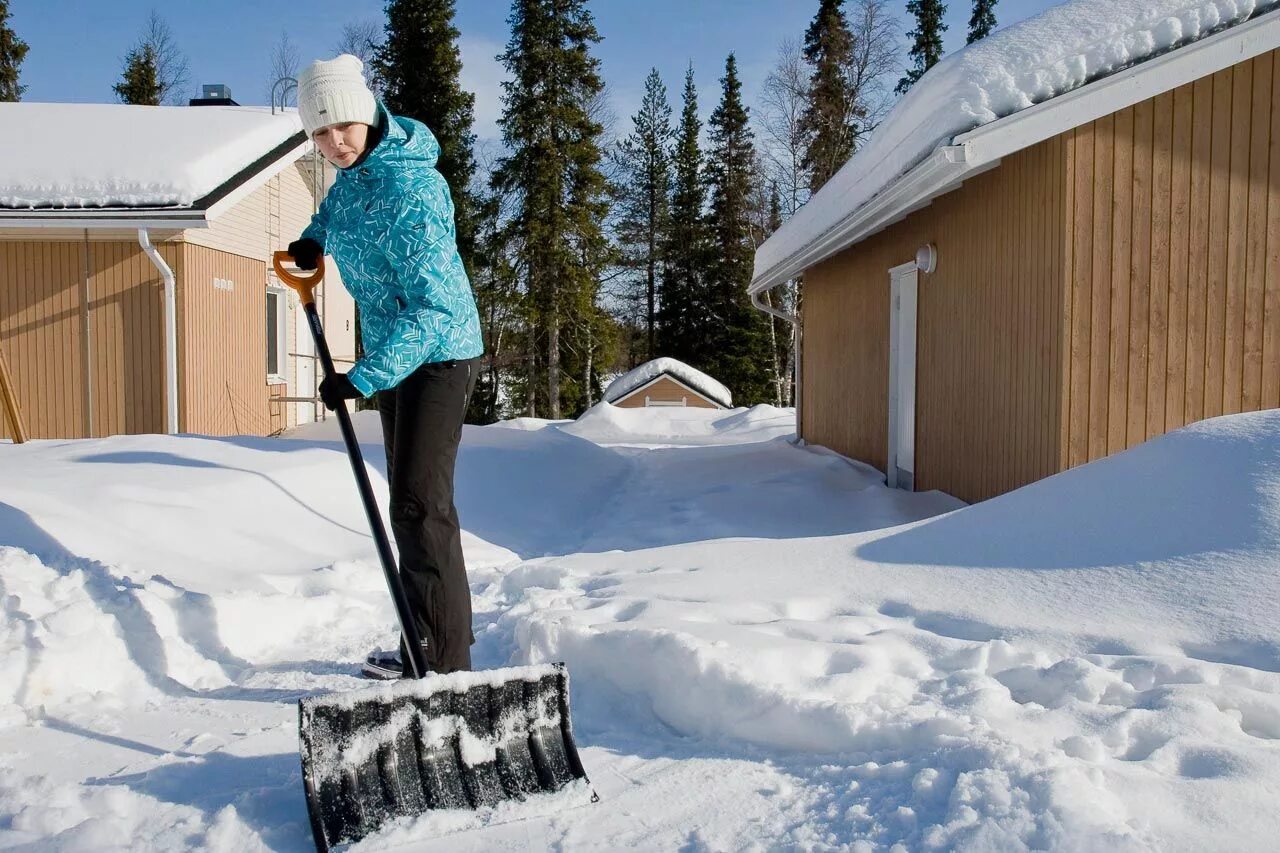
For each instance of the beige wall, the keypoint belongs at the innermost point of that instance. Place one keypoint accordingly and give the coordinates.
(665, 390)
(988, 334)
(224, 388)
(1174, 261)
(42, 311)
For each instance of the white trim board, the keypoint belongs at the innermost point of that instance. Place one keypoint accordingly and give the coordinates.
(904, 286)
(978, 150)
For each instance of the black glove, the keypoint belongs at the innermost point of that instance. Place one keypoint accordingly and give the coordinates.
(335, 388)
(305, 253)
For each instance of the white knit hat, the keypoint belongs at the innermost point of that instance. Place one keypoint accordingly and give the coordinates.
(333, 91)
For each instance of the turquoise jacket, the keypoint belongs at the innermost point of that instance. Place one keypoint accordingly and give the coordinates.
(388, 223)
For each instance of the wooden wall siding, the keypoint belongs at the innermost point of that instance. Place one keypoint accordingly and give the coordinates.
(1174, 262)
(224, 387)
(989, 334)
(846, 356)
(41, 317)
(127, 337)
(667, 391)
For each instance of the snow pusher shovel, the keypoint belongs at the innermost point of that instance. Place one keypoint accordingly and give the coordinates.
(460, 741)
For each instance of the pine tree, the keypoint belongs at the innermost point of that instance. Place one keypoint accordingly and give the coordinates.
(926, 47)
(682, 315)
(830, 118)
(983, 20)
(419, 68)
(553, 173)
(12, 51)
(139, 84)
(739, 356)
(643, 196)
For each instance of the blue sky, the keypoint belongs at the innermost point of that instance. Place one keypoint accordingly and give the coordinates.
(77, 46)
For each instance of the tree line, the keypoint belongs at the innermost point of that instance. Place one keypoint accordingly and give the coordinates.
(591, 251)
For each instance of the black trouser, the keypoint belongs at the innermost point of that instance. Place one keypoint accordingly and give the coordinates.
(421, 427)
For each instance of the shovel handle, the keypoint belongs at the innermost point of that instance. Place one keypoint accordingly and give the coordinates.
(305, 284)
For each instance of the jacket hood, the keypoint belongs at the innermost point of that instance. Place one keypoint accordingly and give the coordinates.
(405, 143)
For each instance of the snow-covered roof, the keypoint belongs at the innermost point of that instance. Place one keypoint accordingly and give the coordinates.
(652, 370)
(1073, 63)
(77, 156)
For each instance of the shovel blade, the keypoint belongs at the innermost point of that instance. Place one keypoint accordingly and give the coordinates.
(460, 741)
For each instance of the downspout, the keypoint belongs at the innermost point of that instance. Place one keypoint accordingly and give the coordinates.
(799, 332)
(170, 332)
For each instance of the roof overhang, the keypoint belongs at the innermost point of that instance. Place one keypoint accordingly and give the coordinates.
(981, 149)
(199, 215)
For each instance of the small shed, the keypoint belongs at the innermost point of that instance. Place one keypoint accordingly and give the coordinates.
(667, 382)
(1063, 241)
(136, 289)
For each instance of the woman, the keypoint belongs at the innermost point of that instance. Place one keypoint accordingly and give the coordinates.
(388, 224)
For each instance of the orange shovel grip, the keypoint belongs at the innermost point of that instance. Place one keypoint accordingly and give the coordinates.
(305, 285)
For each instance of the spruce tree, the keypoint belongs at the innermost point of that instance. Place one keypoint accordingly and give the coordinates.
(739, 354)
(419, 67)
(12, 51)
(829, 118)
(553, 174)
(682, 316)
(926, 46)
(983, 20)
(139, 83)
(643, 196)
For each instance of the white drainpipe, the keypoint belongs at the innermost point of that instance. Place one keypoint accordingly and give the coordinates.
(799, 329)
(170, 332)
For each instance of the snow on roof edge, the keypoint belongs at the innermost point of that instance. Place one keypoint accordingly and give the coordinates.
(636, 378)
(118, 157)
(824, 213)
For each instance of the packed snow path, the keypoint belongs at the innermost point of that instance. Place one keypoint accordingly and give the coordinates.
(769, 649)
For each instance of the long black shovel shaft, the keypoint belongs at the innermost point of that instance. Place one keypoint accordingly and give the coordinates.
(413, 640)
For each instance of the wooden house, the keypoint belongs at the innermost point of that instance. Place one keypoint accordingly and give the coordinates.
(136, 289)
(1057, 284)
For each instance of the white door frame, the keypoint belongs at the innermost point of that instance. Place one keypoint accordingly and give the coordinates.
(903, 304)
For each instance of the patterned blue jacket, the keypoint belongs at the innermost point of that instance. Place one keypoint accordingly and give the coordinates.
(388, 223)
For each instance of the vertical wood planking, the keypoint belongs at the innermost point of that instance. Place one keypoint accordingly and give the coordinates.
(1219, 227)
(1240, 130)
(1271, 281)
(1256, 233)
(1169, 374)
(1121, 255)
(1139, 261)
(1198, 254)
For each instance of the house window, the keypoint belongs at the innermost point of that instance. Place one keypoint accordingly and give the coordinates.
(276, 305)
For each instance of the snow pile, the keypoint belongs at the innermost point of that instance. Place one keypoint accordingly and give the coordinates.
(769, 649)
(121, 155)
(651, 370)
(605, 423)
(1061, 49)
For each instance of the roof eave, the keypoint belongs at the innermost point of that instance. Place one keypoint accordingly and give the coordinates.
(95, 219)
(941, 172)
(714, 398)
(199, 215)
(984, 147)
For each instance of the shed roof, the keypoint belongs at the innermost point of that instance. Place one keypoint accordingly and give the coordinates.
(651, 370)
(1069, 65)
(120, 161)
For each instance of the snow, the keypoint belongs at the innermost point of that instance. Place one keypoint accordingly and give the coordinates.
(768, 648)
(1062, 48)
(119, 155)
(651, 370)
